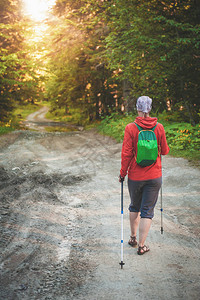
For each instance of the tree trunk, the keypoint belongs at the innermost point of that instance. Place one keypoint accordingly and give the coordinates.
(128, 98)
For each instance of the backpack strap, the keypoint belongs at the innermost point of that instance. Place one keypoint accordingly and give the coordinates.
(154, 127)
(139, 127)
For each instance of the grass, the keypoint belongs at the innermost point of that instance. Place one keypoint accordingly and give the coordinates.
(5, 129)
(183, 138)
(75, 116)
(22, 111)
(18, 115)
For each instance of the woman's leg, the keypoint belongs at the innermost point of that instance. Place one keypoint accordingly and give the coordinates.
(149, 199)
(134, 222)
(135, 191)
(144, 227)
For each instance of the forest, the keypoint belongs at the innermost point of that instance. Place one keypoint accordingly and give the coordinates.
(95, 59)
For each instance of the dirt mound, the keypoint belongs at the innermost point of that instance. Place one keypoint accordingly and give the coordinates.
(8, 139)
(47, 180)
(33, 186)
(3, 174)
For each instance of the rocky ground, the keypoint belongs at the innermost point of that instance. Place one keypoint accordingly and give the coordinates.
(61, 225)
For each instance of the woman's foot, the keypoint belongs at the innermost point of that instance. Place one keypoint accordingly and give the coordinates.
(132, 242)
(142, 250)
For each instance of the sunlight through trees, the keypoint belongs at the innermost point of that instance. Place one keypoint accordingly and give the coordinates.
(92, 58)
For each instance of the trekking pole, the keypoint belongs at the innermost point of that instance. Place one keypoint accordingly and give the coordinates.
(122, 229)
(161, 209)
(161, 205)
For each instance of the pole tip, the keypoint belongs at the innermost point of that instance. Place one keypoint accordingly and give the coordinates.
(122, 264)
(161, 230)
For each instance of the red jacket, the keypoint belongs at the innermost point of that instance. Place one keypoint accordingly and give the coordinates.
(129, 150)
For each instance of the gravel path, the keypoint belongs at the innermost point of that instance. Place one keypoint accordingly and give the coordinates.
(60, 223)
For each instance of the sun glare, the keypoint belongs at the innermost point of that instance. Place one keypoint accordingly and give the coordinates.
(38, 9)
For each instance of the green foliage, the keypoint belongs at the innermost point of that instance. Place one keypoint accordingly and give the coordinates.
(22, 111)
(18, 78)
(183, 138)
(97, 50)
(80, 80)
(156, 45)
(114, 125)
(176, 117)
(97, 46)
(4, 130)
(6, 127)
(73, 116)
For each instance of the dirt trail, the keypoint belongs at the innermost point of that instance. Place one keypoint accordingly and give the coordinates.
(37, 121)
(60, 224)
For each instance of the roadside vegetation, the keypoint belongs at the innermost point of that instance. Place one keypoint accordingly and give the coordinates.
(5, 128)
(22, 111)
(73, 116)
(18, 115)
(183, 138)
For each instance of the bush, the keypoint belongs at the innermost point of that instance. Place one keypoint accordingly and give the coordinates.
(183, 138)
(114, 125)
(74, 116)
(5, 127)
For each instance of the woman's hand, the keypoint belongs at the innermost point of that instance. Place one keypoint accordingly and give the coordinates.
(121, 178)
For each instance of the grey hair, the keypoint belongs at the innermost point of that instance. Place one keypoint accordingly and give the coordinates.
(144, 104)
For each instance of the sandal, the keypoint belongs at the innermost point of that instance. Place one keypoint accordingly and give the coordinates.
(132, 242)
(142, 250)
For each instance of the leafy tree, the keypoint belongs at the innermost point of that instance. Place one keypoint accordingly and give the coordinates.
(18, 80)
(107, 52)
(80, 77)
(159, 41)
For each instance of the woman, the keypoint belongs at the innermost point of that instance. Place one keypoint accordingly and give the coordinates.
(143, 182)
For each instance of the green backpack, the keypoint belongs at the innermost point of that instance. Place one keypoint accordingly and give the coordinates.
(147, 146)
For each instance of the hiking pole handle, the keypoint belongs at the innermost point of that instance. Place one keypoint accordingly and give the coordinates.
(122, 196)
